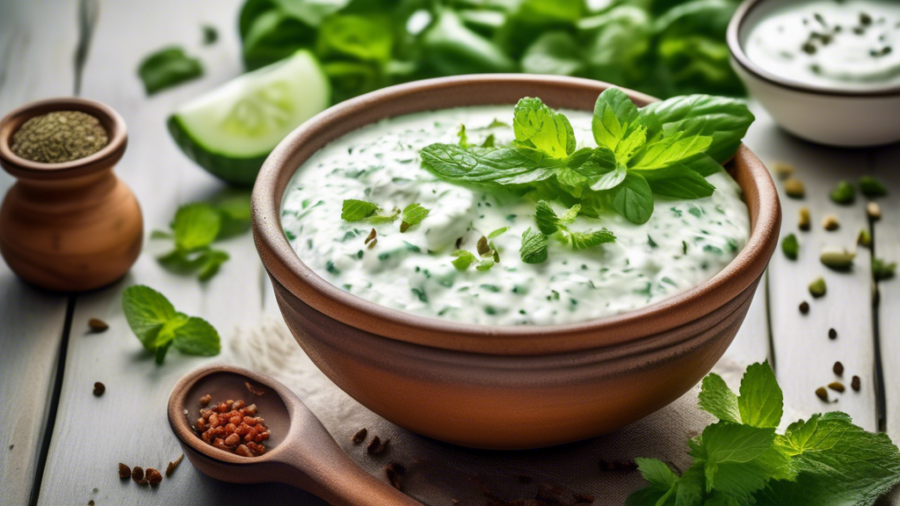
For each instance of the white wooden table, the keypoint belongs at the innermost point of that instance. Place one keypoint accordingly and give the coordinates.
(60, 445)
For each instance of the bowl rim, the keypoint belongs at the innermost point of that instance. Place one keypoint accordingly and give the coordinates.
(107, 156)
(286, 269)
(733, 38)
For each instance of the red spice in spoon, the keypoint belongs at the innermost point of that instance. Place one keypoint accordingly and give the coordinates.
(233, 427)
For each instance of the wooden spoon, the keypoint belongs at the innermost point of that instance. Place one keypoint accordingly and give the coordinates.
(301, 452)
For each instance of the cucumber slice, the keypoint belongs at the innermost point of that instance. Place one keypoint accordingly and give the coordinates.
(230, 130)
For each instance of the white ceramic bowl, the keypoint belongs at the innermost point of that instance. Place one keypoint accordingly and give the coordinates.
(837, 116)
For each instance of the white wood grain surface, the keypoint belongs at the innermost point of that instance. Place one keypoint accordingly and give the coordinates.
(804, 355)
(37, 45)
(887, 247)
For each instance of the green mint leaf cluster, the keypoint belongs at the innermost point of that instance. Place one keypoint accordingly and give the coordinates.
(488, 255)
(360, 210)
(158, 326)
(196, 227)
(742, 461)
(666, 149)
(549, 224)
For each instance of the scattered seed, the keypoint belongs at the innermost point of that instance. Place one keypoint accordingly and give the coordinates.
(783, 170)
(124, 471)
(864, 239)
(97, 325)
(360, 436)
(804, 307)
(832, 334)
(855, 384)
(837, 386)
(153, 476)
(253, 390)
(373, 243)
(794, 188)
(395, 472)
(172, 465)
(821, 393)
(91, 502)
(830, 223)
(836, 258)
(873, 210)
(372, 236)
(377, 446)
(790, 246)
(817, 288)
(483, 247)
(99, 389)
(204, 401)
(838, 368)
(137, 474)
(805, 222)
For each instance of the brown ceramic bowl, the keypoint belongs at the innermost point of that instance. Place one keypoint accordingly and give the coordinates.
(493, 386)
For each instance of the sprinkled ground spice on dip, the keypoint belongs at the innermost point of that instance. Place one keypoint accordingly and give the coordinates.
(684, 243)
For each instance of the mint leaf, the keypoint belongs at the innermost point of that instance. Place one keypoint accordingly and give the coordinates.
(498, 232)
(146, 311)
(547, 221)
(197, 337)
(157, 325)
(537, 126)
(534, 247)
(413, 214)
(168, 67)
(585, 240)
(678, 182)
(357, 210)
(702, 164)
(616, 119)
(212, 261)
(718, 400)
(633, 199)
(463, 137)
(737, 459)
(656, 472)
(195, 226)
(485, 265)
(790, 246)
(383, 217)
(610, 180)
(463, 259)
(668, 150)
(761, 401)
(504, 166)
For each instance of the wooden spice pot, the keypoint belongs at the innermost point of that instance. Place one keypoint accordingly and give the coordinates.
(69, 226)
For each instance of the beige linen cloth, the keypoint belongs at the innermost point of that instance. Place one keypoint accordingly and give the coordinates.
(439, 474)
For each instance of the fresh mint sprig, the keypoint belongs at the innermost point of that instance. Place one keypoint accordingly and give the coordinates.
(158, 326)
(742, 460)
(534, 248)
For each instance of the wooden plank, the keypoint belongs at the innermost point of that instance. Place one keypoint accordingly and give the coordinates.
(37, 43)
(887, 246)
(128, 423)
(804, 354)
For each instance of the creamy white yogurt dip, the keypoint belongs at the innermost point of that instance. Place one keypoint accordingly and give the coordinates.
(834, 43)
(684, 244)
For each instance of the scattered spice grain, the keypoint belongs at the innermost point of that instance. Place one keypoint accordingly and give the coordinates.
(837, 258)
(91, 502)
(855, 384)
(174, 464)
(794, 188)
(124, 471)
(783, 170)
(99, 389)
(98, 325)
(377, 446)
(204, 401)
(830, 223)
(805, 221)
(837, 386)
(821, 393)
(137, 474)
(864, 239)
(233, 427)
(873, 210)
(395, 472)
(838, 368)
(804, 307)
(832, 334)
(360, 436)
(153, 476)
(59, 136)
(818, 288)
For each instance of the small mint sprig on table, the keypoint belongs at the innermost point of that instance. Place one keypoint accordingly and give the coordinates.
(196, 227)
(742, 460)
(157, 325)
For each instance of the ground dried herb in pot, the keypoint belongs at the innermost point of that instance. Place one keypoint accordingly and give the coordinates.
(58, 137)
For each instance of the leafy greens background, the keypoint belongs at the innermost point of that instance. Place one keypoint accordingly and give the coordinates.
(661, 47)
